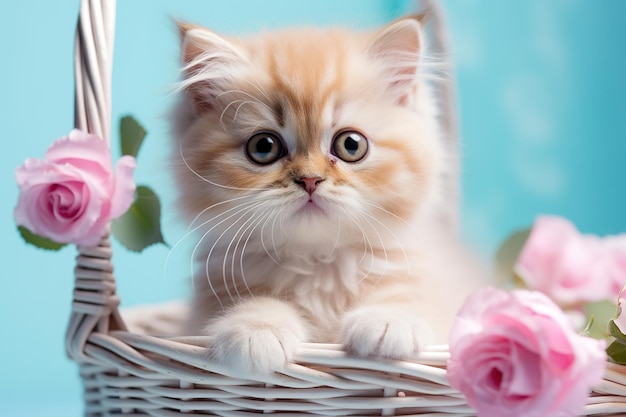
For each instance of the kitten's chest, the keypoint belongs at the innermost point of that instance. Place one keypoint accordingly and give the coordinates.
(310, 280)
(322, 287)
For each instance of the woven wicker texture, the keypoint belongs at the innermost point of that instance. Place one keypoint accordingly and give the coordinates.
(135, 374)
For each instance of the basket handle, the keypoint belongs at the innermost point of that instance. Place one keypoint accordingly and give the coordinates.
(95, 305)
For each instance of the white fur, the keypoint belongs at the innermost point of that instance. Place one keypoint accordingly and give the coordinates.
(387, 331)
(273, 273)
(258, 335)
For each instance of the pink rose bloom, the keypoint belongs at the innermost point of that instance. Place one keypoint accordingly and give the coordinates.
(71, 195)
(516, 354)
(614, 265)
(569, 267)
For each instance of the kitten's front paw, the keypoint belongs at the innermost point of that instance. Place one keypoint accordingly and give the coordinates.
(259, 336)
(384, 332)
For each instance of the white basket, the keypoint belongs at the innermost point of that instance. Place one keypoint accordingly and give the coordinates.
(135, 374)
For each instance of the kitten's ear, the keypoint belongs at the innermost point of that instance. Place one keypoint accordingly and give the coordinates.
(397, 48)
(209, 62)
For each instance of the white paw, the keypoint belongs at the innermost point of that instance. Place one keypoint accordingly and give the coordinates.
(384, 332)
(259, 336)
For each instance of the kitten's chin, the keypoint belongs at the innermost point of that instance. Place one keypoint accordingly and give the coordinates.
(312, 222)
(311, 209)
(311, 216)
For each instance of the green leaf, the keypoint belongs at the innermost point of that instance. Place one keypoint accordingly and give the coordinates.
(507, 255)
(616, 332)
(617, 352)
(140, 226)
(617, 349)
(131, 135)
(602, 312)
(588, 327)
(39, 241)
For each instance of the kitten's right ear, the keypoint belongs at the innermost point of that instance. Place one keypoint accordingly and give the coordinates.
(397, 47)
(209, 63)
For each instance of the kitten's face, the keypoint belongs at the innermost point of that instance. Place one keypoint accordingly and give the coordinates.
(306, 132)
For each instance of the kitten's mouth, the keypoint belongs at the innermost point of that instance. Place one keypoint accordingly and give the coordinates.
(311, 206)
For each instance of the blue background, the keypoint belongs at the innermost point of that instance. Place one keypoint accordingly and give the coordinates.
(543, 107)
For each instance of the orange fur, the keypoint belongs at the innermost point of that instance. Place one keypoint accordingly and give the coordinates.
(362, 242)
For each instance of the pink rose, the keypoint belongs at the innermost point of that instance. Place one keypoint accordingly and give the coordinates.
(71, 195)
(516, 354)
(614, 265)
(569, 267)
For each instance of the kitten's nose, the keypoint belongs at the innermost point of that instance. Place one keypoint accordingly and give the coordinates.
(309, 183)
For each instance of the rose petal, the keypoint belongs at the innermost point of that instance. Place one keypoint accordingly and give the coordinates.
(525, 379)
(588, 371)
(517, 354)
(88, 154)
(98, 224)
(33, 209)
(71, 196)
(83, 150)
(616, 258)
(570, 267)
(474, 306)
(124, 189)
(540, 304)
(40, 182)
(575, 277)
(67, 200)
(541, 253)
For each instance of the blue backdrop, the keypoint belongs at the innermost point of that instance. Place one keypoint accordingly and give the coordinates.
(541, 87)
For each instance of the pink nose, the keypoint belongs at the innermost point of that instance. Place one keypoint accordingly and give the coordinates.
(309, 183)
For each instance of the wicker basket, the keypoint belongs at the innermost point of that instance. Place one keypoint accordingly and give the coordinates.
(134, 373)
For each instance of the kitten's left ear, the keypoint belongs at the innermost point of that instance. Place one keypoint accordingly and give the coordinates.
(397, 48)
(209, 63)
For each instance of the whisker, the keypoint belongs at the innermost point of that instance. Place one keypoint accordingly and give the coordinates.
(401, 246)
(195, 249)
(216, 205)
(247, 210)
(239, 108)
(237, 236)
(243, 251)
(190, 232)
(211, 182)
(274, 237)
(281, 223)
(236, 111)
(409, 224)
(193, 255)
(254, 100)
(338, 234)
(382, 244)
(384, 210)
(366, 242)
(277, 262)
(260, 89)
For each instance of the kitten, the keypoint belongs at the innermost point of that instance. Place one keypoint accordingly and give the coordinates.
(312, 165)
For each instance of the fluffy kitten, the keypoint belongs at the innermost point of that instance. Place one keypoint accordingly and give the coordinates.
(312, 165)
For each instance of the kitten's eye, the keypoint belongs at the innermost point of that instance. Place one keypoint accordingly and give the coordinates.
(350, 146)
(265, 148)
